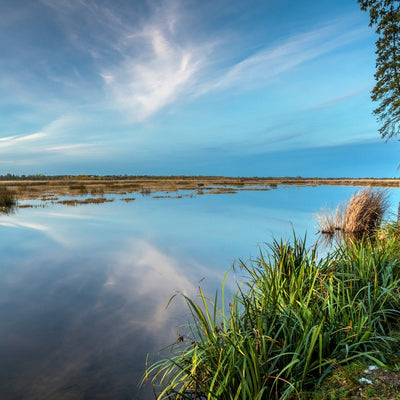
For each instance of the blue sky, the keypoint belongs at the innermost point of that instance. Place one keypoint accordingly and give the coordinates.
(256, 88)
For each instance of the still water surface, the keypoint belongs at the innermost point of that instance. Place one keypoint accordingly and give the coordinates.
(83, 289)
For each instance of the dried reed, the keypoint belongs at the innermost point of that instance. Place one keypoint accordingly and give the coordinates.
(362, 214)
(330, 221)
(365, 210)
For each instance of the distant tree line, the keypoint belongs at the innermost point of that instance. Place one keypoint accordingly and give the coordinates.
(41, 177)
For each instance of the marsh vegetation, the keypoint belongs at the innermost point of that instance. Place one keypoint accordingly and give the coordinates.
(38, 186)
(7, 200)
(91, 200)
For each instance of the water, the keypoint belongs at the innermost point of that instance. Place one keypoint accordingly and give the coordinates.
(83, 289)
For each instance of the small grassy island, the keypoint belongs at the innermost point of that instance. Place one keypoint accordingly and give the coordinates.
(302, 326)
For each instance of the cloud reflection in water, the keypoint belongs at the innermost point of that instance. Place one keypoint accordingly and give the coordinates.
(80, 322)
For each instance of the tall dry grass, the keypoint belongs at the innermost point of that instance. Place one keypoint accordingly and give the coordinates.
(365, 210)
(330, 221)
(363, 213)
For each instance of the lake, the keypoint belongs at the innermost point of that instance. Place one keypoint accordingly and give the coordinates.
(83, 290)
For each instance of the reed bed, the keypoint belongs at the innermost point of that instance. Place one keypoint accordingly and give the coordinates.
(295, 319)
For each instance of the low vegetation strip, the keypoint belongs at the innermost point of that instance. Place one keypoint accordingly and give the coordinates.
(34, 187)
(75, 202)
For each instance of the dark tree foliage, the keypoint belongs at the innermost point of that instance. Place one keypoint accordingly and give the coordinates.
(385, 17)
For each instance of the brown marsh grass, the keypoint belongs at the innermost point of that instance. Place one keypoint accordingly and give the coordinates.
(330, 221)
(365, 210)
(362, 214)
(75, 202)
(29, 189)
(8, 200)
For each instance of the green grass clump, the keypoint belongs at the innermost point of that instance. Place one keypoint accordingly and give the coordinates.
(295, 319)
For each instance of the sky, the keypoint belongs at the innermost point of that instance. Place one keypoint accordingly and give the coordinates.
(189, 87)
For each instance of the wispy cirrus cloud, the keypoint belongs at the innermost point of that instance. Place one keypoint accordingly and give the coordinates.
(171, 71)
(18, 139)
(144, 57)
(257, 69)
(149, 60)
(61, 137)
(145, 86)
(338, 99)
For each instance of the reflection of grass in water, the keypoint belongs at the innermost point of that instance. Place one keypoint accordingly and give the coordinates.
(295, 319)
(7, 197)
(330, 221)
(145, 191)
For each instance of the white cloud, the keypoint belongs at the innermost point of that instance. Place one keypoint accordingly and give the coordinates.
(144, 86)
(167, 70)
(17, 139)
(149, 63)
(33, 136)
(65, 136)
(8, 139)
(69, 147)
